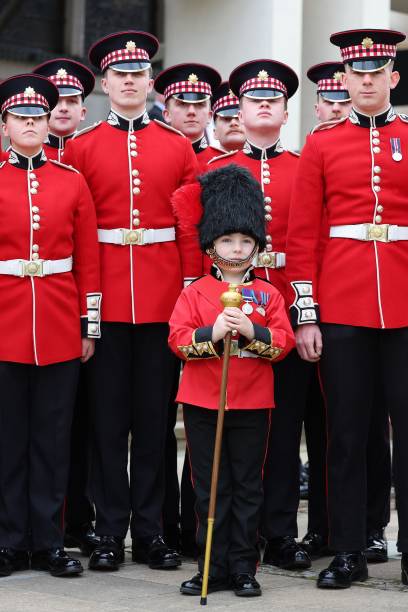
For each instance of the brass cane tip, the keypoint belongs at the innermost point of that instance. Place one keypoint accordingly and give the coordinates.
(232, 297)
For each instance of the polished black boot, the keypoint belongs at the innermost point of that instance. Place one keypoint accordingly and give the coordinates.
(108, 555)
(13, 560)
(345, 569)
(245, 585)
(286, 553)
(315, 545)
(155, 553)
(195, 585)
(404, 568)
(56, 562)
(377, 550)
(82, 537)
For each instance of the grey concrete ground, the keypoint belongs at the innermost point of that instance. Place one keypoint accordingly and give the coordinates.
(137, 588)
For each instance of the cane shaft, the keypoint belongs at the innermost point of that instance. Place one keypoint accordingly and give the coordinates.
(216, 467)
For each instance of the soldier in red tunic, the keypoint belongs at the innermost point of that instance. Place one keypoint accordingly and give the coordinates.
(49, 290)
(132, 166)
(231, 231)
(75, 82)
(333, 100)
(187, 90)
(349, 308)
(228, 129)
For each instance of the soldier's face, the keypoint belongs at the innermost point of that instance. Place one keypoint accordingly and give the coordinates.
(330, 111)
(127, 91)
(190, 119)
(234, 247)
(26, 133)
(230, 132)
(263, 115)
(67, 115)
(370, 91)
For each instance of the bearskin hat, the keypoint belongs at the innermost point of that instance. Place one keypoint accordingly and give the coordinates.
(232, 202)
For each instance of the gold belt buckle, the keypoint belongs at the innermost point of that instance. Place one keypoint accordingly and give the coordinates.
(267, 260)
(33, 268)
(234, 351)
(377, 232)
(133, 236)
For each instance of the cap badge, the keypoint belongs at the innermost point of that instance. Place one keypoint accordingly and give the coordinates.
(263, 75)
(337, 76)
(367, 43)
(29, 92)
(62, 73)
(193, 78)
(131, 46)
(231, 93)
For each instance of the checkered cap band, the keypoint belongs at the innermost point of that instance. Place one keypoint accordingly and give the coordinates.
(224, 102)
(123, 55)
(24, 100)
(187, 87)
(356, 52)
(330, 85)
(268, 83)
(66, 81)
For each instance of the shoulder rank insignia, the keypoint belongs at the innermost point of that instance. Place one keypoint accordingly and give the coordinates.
(217, 157)
(57, 163)
(168, 127)
(328, 125)
(403, 117)
(87, 129)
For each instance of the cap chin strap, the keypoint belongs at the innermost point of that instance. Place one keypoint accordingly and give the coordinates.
(229, 264)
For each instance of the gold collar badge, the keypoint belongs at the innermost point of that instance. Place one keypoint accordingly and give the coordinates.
(367, 43)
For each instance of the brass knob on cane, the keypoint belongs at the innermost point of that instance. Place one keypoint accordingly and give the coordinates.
(232, 297)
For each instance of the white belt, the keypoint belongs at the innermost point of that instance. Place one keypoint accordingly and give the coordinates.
(140, 236)
(370, 231)
(39, 267)
(271, 259)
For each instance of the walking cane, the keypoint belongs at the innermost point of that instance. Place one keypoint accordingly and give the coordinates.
(229, 298)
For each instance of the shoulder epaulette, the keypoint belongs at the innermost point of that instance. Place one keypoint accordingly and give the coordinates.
(213, 159)
(403, 117)
(2, 163)
(328, 125)
(57, 163)
(87, 129)
(168, 127)
(295, 153)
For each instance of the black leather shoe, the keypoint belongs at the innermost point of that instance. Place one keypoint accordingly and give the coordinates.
(172, 537)
(377, 549)
(82, 537)
(315, 545)
(404, 568)
(345, 569)
(195, 584)
(108, 555)
(57, 562)
(286, 553)
(245, 585)
(13, 561)
(189, 546)
(155, 553)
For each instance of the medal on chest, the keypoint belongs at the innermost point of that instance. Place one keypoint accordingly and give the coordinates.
(254, 299)
(396, 149)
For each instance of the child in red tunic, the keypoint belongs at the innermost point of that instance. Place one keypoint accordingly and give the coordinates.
(231, 232)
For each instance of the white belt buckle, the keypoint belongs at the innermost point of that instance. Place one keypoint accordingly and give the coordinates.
(32, 268)
(133, 236)
(377, 232)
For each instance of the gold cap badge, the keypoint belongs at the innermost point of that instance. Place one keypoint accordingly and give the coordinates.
(231, 93)
(193, 78)
(62, 73)
(130, 46)
(367, 43)
(337, 76)
(29, 92)
(262, 75)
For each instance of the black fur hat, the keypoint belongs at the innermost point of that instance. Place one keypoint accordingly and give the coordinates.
(233, 202)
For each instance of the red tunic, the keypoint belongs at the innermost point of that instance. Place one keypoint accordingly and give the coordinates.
(250, 380)
(54, 146)
(132, 169)
(349, 170)
(46, 213)
(204, 152)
